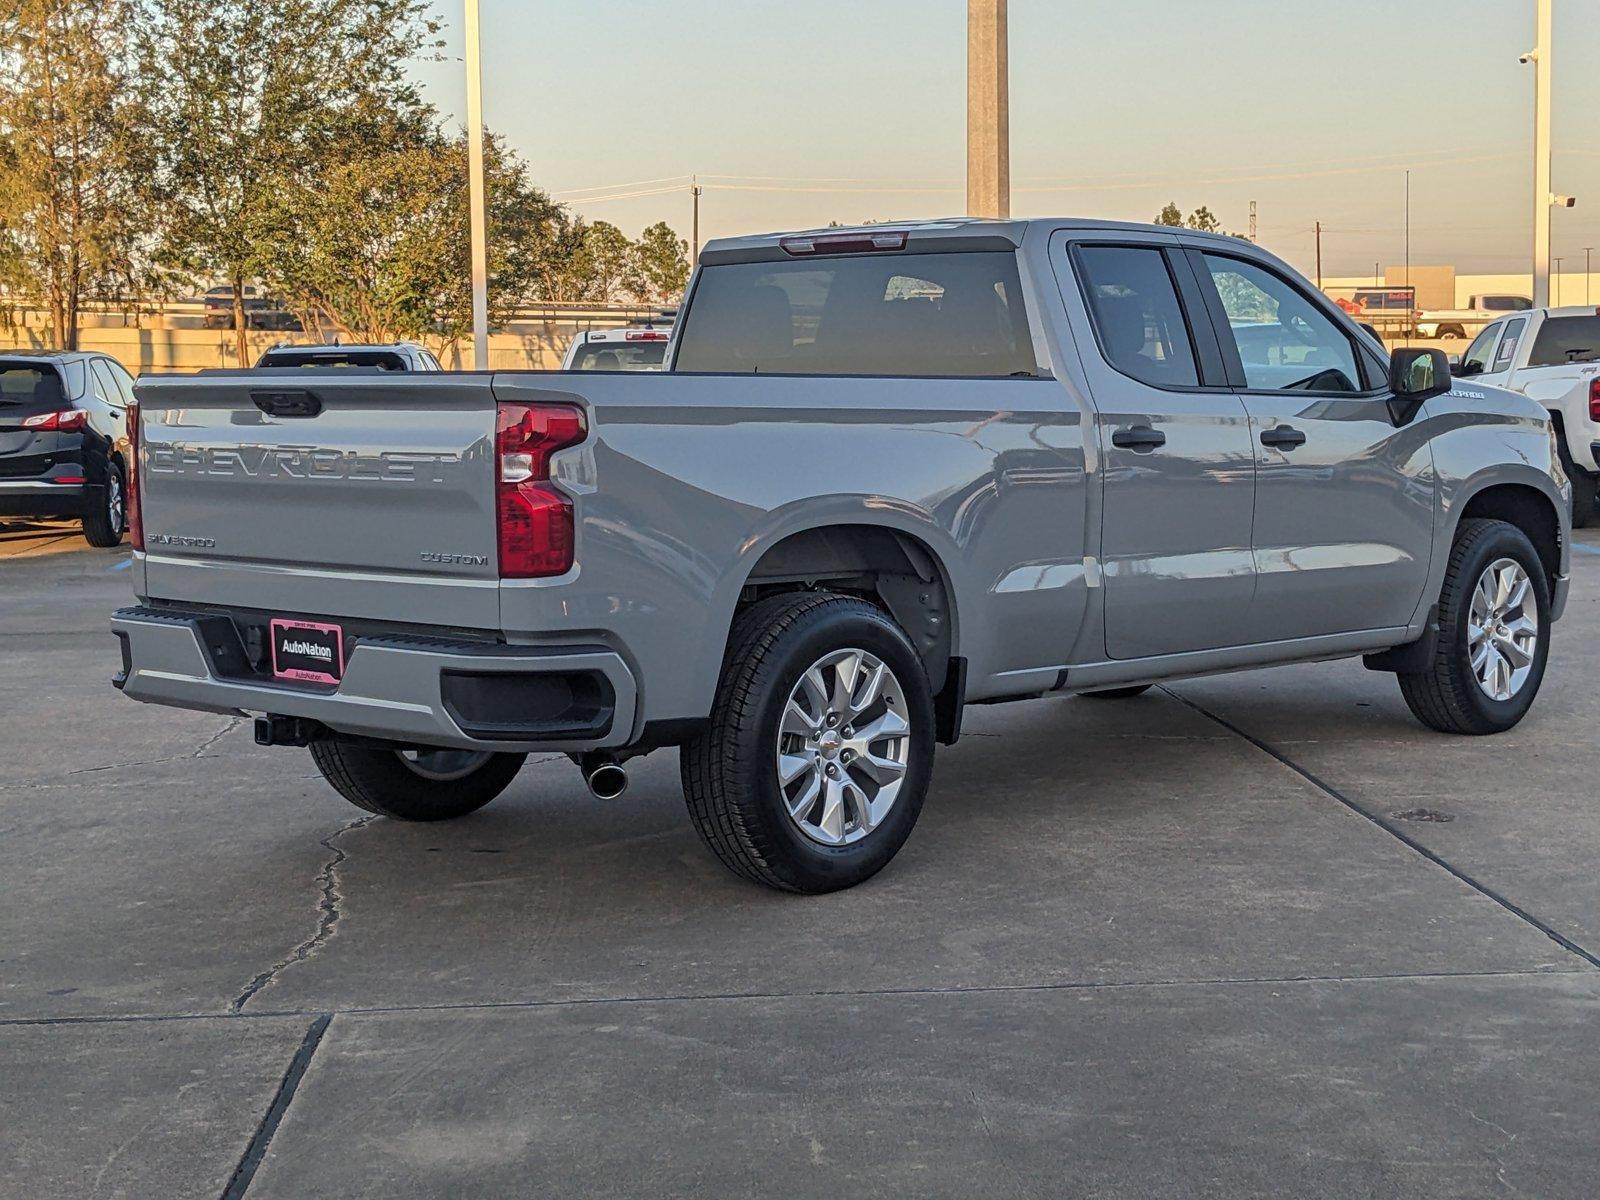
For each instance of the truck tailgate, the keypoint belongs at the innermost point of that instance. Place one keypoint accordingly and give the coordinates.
(322, 493)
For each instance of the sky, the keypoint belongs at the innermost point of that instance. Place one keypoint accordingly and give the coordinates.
(796, 113)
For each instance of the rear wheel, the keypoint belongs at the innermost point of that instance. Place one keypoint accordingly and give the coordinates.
(1121, 693)
(813, 768)
(1494, 634)
(103, 522)
(415, 785)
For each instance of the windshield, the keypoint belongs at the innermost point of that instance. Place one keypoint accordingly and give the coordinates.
(1565, 340)
(619, 356)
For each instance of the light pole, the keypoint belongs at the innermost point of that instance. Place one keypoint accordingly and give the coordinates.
(1539, 56)
(694, 193)
(1555, 279)
(988, 110)
(1587, 250)
(475, 199)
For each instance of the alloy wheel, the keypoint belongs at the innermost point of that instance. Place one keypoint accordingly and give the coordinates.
(1502, 629)
(844, 740)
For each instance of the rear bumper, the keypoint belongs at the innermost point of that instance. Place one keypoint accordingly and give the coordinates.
(37, 498)
(430, 692)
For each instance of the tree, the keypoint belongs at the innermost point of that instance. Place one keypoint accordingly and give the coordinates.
(251, 99)
(663, 264)
(70, 152)
(380, 242)
(610, 263)
(1201, 218)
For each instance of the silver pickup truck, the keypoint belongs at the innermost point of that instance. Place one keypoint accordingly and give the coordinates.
(886, 473)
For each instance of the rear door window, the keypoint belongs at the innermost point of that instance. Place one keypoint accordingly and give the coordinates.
(953, 314)
(106, 384)
(1508, 344)
(1564, 340)
(1137, 317)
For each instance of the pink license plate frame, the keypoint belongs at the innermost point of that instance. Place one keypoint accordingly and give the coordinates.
(321, 632)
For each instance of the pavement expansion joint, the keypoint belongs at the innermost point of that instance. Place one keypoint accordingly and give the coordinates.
(329, 911)
(1388, 826)
(245, 1172)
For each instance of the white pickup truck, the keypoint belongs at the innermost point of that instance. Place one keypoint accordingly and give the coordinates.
(1457, 322)
(1551, 355)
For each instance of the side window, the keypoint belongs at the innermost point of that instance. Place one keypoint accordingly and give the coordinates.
(106, 385)
(123, 380)
(1476, 360)
(1286, 343)
(1508, 344)
(1137, 316)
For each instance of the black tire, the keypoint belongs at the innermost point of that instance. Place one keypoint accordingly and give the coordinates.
(1121, 693)
(1447, 696)
(729, 779)
(383, 782)
(107, 517)
(1583, 484)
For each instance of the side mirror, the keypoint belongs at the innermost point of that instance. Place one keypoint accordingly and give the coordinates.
(1415, 374)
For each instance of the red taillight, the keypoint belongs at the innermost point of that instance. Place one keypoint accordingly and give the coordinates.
(1594, 399)
(884, 240)
(534, 518)
(64, 421)
(135, 518)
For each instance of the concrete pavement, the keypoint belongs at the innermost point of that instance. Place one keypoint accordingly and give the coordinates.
(1253, 936)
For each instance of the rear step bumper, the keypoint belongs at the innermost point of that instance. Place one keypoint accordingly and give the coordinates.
(431, 692)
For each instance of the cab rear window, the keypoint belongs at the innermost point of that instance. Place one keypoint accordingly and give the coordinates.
(951, 314)
(619, 356)
(1564, 340)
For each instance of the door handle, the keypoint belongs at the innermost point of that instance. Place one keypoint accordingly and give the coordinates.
(1139, 438)
(1284, 437)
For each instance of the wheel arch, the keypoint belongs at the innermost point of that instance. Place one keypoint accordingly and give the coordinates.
(1526, 506)
(882, 562)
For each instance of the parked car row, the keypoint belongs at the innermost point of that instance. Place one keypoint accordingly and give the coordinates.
(1551, 355)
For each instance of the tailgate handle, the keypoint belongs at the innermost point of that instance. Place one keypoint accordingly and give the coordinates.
(287, 404)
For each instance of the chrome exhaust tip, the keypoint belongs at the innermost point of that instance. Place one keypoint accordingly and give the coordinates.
(606, 780)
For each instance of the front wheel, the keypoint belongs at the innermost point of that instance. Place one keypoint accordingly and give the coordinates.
(415, 785)
(813, 768)
(1494, 634)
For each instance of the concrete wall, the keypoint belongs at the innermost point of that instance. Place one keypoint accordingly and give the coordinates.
(536, 341)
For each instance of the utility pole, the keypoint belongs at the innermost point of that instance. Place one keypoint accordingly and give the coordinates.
(1542, 196)
(1586, 252)
(694, 193)
(1319, 249)
(988, 110)
(1376, 279)
(475, 198)
(1252, 222)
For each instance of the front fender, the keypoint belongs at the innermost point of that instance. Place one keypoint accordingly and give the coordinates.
(1486, 438)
